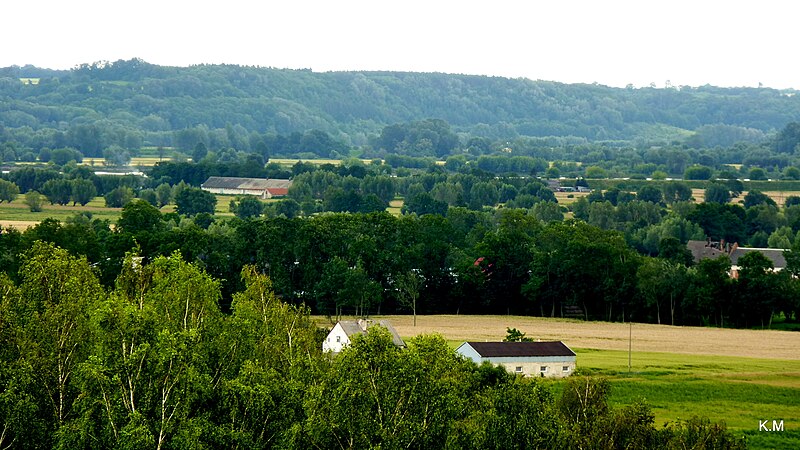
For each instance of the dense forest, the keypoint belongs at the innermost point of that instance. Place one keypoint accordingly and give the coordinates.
(152, 362)
(133, 103)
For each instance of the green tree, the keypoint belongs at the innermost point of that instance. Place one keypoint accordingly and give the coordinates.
(246, 207)
(58, 191)
(8, 191)
(483, 193)
(698, 172)
(758, 288)
(62, 156)
(119, 197)
(408, 286)
(376, 395)
(757, 173)
(422, 204)
(676, 191)
(514, 335)
(82, 191)
(161, 353)
(193, 201)
(788, 138)
(116, 156)
(34, 200)
(288, 208)
(139, 216)
(650, 194)
(58, 294)
(163, 194)
(660, 281)
(754, 198)
(547, 212)
(717, 193)
(200, 152)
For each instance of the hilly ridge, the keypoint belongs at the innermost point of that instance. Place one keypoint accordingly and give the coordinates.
(134, 97)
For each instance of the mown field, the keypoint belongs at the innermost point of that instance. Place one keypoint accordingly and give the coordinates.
(18, 215)
(735, 376)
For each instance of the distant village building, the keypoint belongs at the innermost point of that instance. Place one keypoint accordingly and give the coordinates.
(714, 249)
(342, 334)
(261, 187)
(551, 359)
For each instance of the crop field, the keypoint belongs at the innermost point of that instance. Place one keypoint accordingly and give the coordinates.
(566, 198)
(778, 196)
(292, 161)
(736, 376)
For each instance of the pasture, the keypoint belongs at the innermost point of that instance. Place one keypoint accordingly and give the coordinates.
(735, 376)
(18, 215)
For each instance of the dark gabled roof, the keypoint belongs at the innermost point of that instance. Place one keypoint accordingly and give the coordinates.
(773, 254)
(705, 249)
(499, 349)
(353, 327)
(702, 250)
(245, 183)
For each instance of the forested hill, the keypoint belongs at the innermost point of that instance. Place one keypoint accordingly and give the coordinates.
(152, 102)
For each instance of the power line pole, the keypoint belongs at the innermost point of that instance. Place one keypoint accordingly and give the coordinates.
(630, 344)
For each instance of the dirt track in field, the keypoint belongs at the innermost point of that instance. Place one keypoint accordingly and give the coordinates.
(610, 336)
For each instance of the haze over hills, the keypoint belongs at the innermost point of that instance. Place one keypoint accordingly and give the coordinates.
(134, 102)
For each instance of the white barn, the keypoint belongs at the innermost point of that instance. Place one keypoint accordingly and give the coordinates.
(531, 359)
(342, 334)
(261, 187)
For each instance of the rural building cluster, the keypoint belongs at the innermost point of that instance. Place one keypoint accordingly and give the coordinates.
(552, 359)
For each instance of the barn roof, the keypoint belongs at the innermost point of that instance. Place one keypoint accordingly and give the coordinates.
(521, 349)
(773, 254)
(246, 183)
(709, 249)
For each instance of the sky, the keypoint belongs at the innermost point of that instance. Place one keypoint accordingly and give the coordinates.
(610, 42)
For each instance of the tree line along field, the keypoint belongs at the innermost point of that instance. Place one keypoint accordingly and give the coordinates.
(155, 363)
(735, 376)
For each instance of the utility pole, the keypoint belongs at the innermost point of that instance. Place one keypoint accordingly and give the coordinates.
(630, 343)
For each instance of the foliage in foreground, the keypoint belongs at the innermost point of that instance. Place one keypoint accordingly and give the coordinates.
(154, 363)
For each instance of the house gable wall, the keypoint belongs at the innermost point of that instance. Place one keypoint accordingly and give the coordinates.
(337, 339)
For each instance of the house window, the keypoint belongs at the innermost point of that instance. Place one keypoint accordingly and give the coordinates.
(565, 368)
(338, 339)
(518, 369)
(543, 369)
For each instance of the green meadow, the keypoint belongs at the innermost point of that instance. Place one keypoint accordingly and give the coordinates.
(739, 391)
(18, 211)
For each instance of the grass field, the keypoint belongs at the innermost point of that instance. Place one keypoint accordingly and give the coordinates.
(395, 206)
(735, 376)
(18, 215)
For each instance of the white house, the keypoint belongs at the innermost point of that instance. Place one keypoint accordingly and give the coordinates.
(342, 334)
(531, 359)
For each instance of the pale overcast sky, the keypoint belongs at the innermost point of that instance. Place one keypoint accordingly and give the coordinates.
(611, 42)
